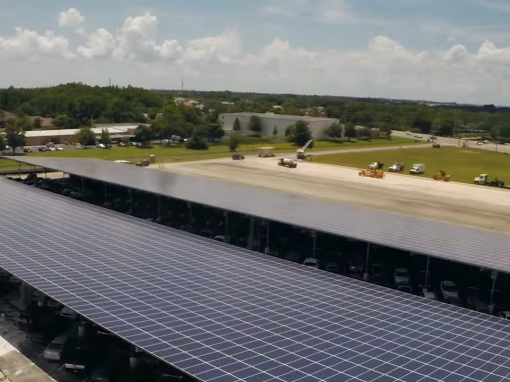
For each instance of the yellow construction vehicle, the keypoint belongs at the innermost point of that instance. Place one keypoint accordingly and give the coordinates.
(372, 173)
(442, 175)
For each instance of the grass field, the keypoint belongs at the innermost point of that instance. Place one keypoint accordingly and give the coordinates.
(462, 164)
(170, 154)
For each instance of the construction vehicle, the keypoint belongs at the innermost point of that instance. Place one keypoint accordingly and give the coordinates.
(417, 169)
(301, 153)
(483, 179)
(287, 162)
(237, 157)
(442, 175)
(376, 165)
(372, 173)
(266, 152)
(396, 167)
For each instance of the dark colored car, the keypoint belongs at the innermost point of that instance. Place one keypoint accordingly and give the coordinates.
(109, 368)
(79, 354)
(143, 163)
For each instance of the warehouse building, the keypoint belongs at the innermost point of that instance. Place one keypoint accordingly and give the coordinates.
(317, 125)
(68, 136)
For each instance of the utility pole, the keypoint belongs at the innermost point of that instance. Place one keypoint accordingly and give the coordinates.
(110, 82)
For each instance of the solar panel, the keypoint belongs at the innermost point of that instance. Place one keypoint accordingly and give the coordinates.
(451, 242)
(223, 314)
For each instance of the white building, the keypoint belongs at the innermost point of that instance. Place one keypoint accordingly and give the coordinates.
(317, 125)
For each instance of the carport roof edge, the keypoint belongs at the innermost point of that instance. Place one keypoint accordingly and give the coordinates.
(413, 234)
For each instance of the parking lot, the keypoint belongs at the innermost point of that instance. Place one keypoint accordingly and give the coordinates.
(451, 282)
(100, 366)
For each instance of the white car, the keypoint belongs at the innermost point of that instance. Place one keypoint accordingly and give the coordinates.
(68, 313)
(53, 351)
(418, 136)
(311, 262)
(401, 276)
(505, 314)
(427, 293)
(449, 290)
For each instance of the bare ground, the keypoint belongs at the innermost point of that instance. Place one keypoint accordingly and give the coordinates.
(462, 204)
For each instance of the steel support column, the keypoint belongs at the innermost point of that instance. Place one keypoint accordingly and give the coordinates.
(427, 273)
(366, 276)
(314, 237)
(159, 209)
(190, 213)
(494, 277)
(225, 213)
(266, 250)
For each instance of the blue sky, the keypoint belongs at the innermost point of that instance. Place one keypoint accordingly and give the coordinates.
(421, 49)
(420, 24)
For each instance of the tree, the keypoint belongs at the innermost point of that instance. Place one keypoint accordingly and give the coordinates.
(143, 133)
(275, 131)
(302, 133)
(85, 135)
(24, 123)
(385, 131)
(255, 125)
(2, 143)
(37, 123)
(105, 137)
(350, 130)
(196, 142)
(63, 121)
(237, 125)
(233, 142)
(289, 133)
(335, 131)
(15, 137)
(215, 131)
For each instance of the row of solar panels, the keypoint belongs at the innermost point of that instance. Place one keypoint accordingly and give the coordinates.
(225, 314)
(451, 242)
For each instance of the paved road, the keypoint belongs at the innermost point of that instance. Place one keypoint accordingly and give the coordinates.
(350, 151)
(458, 142)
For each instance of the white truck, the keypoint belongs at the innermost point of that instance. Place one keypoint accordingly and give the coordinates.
(417, 169)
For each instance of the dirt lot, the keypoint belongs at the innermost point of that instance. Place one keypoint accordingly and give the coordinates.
(468, 205)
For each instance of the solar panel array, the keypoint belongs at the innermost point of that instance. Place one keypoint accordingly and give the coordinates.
(451, 242)
(224, 314)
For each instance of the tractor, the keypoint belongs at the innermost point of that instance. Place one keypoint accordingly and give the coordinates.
(372, 173)
(442, 175)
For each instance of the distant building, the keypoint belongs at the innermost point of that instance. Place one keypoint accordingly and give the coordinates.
(317, 125)
(63, 136)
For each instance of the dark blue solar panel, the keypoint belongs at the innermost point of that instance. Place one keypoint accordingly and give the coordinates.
(243, 316)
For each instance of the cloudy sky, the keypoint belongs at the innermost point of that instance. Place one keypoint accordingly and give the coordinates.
(446, 50)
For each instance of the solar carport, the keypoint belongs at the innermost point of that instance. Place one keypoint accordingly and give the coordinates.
(223, 314)
(470, 246)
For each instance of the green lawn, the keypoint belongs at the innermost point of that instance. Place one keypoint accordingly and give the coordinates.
(462, 164)
(170, 154)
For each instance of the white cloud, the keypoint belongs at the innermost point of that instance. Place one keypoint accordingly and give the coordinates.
(73, 19)
(133, 54)
(28, 44)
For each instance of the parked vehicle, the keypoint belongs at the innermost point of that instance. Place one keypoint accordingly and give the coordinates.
(428, 293)
(143, 163)
(405, 289)
(483, 179)
(78, 355)
(53, 351)
(417, 169)
(401, 276)
(312, 262)
(287, 162)
(237, 157)
(475, 300)
(449, 290)
(396, 167)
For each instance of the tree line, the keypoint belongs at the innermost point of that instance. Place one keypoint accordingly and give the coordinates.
(75, 105)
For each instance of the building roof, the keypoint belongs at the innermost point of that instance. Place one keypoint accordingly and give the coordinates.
(408, 233)
(224, 314)
(68, 132)
(282, 116)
